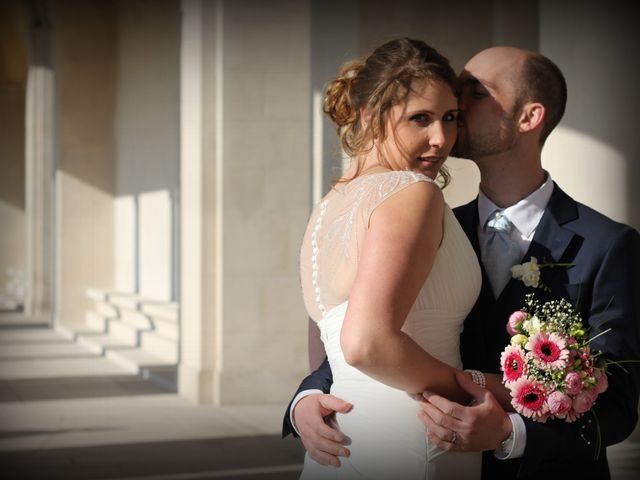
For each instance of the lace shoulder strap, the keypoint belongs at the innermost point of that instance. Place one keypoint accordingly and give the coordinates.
(362, 196)
(391, 183)
(338, 229)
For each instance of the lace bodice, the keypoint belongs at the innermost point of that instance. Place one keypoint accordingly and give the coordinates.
(335, 233)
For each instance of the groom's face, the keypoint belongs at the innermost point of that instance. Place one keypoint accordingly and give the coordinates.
(489, 109)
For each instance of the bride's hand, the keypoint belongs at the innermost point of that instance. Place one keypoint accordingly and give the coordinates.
(323, 442)
(483, 425)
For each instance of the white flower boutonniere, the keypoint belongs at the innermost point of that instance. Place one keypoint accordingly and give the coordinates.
(529, 272)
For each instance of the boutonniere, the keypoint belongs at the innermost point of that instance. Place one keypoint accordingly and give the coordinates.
(529, 272)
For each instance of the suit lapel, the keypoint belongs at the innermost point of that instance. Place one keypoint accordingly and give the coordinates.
(551, 239)
(474, 346)
(552, 242)
(468, 217)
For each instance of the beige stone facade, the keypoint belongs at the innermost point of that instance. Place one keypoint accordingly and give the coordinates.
(159, 159)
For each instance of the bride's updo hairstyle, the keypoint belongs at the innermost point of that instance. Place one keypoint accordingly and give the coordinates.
(376, 84)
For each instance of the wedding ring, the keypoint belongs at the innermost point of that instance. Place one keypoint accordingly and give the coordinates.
(454, 437)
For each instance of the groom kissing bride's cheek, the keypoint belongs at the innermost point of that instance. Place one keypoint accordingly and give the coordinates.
(411, 301)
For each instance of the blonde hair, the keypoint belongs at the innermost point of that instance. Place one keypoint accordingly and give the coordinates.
(376, 84)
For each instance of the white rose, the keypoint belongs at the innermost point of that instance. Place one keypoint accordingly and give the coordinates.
(531, 278)
(536, 324)
(532, 326)
(528, 272)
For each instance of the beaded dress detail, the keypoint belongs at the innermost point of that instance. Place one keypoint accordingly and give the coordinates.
(387, 440)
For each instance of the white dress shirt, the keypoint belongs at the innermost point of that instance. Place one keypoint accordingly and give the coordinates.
(525, 215)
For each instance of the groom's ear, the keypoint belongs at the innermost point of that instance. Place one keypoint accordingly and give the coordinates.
(531, 117)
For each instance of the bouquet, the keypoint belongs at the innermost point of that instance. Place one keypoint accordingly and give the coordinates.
(548, 367)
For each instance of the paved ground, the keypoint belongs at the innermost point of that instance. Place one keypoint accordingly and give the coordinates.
(66, 413)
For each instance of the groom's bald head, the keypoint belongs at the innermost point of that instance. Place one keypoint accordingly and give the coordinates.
(524, 76)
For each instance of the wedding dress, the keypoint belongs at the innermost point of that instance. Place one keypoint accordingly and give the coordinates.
(387, 439)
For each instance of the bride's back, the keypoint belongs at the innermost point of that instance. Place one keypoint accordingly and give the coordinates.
(391, 445)
(335, 234)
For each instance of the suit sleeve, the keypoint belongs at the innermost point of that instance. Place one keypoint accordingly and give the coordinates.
(320, 379)
(614, 304)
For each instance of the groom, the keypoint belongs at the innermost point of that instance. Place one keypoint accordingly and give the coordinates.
(511, 100)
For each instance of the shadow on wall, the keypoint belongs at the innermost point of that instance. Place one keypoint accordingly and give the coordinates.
(602, 144)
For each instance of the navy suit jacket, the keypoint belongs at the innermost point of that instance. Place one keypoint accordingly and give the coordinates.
(604, 287)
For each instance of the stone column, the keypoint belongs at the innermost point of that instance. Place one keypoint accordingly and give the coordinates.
(593, 153)
(199, 252)
(245, 198)
(39, 152)
(334, 41)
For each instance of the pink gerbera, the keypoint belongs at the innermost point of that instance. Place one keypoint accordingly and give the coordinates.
(512, 364)
(549, 349)
(529, 399)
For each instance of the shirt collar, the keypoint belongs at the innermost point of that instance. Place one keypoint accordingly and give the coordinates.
(525, 214)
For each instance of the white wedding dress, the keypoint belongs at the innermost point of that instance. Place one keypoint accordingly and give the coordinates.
(387, 439)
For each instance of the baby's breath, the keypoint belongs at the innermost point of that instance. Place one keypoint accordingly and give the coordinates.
(556, 315)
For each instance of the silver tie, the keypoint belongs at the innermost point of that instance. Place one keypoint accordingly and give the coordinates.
(500, 253)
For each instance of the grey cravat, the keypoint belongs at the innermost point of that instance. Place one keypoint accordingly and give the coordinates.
(500, 253)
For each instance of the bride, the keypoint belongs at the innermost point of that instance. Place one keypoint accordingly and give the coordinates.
(387, 273)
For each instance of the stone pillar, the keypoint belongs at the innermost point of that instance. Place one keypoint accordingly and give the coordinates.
(14, 26)
(245, 198)
(146, 128)
(199, 283)
(266, 176)
(593, 154)
(85, 55)
(39, 153)
(334, 41)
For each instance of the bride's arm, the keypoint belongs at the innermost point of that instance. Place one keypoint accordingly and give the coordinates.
(398, 253)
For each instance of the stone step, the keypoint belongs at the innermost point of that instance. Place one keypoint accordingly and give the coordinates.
(96, 321)
(165, 328)
(138, 333)
(96, 294)
(126, 332)
(164, 377)
(126, 301)
(72, 334)
(136, 360)
(167, 311)
(135, 318)
(158, 370)
(159, 346)
(101, 343)
(106, 309)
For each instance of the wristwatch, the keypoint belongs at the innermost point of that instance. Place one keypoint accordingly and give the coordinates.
(507, 444)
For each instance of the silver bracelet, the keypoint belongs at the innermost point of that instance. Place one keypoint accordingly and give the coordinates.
(478, 378)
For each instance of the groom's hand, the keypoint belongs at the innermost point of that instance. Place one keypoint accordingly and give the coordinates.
(483, 425)
(323, 442)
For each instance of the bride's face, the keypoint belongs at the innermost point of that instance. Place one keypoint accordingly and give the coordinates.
(422, 129)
